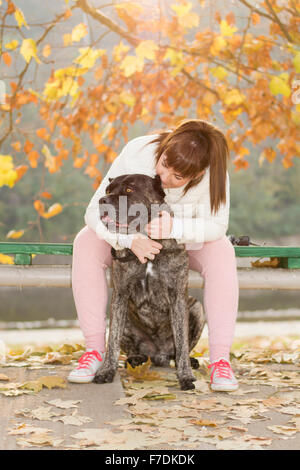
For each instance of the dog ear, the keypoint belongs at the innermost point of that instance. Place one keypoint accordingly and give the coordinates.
(158, 187)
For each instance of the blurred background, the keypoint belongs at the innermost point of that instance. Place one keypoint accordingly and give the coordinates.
(81, 78)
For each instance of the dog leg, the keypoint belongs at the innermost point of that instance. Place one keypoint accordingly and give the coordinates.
(118, 313)
(179, 321)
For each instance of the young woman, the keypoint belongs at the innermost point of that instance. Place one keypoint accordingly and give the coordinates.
(191, 161)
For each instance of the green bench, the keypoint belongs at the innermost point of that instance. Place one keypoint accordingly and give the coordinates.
(286, 275)
(289, 256)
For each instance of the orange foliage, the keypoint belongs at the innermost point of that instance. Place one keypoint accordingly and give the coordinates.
(245, 74)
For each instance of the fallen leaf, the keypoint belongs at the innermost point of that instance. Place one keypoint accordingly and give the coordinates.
(205, 422)
(4, 378)
(25, 428)
(39, 440)
(142, 372)
(42, 413)
(50, 381)
(73, 419)
(65, 404)
(286, 430)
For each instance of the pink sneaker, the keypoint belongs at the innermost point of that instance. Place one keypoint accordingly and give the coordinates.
(222, 378)
(87, 367)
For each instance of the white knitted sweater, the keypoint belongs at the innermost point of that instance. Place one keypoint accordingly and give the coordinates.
(193, 222)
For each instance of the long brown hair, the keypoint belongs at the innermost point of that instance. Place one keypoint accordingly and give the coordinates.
(191, 147)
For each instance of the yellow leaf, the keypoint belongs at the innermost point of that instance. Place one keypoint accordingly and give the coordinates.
(69, 71)
(29, 50)
(67, 38)
(142, 372)
(279, 85)
(12, 44)
(88, 56)
(185, 18)
(146, 50)
(131, 64)
(79, 32)
(20, 19)
(4, 259)
(52, 211)
(50, 160)
(176, 57)
(119, 50)
(8, 175)
(208, 99)
(47, 50)
(127, 98)
(39, 206)
(234, 97)
(45, 381)
(219, 72)
(219, 43)
(226, 29)
(182, 9)
(15, 234)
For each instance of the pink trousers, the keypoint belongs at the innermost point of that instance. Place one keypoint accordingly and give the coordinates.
(215, 261)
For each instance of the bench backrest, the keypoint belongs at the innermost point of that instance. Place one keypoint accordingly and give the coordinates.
(288, 256)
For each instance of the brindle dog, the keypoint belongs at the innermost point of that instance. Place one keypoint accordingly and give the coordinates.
(151, 313)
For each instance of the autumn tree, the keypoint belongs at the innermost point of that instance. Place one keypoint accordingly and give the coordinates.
(166, 60)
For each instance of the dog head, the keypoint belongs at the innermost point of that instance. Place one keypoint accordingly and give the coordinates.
(132, 201)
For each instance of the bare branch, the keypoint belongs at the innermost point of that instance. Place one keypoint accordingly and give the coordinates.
(200, 83)
(256, 10)
(277, 20)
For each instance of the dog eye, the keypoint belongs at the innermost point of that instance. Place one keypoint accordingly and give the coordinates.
(129, 190)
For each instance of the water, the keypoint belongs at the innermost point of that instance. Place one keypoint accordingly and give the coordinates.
(54, 307)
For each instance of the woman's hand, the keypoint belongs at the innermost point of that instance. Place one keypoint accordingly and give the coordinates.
(160, 227)
(145, 248)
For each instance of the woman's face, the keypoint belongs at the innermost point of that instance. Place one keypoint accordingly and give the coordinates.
(169, 178)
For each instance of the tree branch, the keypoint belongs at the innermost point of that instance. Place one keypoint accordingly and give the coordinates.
(277, 20)
(103, 19)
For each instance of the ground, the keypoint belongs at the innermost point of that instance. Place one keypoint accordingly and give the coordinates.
(145, 408)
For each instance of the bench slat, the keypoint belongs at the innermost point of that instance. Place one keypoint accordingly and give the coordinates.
(289, 255)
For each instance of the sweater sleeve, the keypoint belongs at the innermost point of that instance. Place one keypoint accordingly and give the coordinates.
(92, 213)
(205, 226)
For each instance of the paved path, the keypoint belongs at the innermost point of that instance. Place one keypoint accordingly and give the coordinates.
(244, 414)
(97, 403)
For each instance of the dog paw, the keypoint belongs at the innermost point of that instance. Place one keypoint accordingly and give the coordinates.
(187, 384)
(104, 376)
